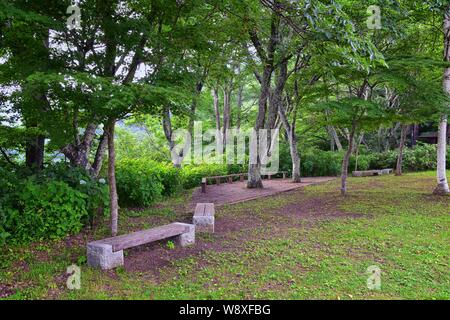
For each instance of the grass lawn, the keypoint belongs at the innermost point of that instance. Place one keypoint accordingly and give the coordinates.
(305, 244)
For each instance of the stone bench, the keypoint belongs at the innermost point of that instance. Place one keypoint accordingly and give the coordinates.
(369, 173)
(108, 253)
(204, 217)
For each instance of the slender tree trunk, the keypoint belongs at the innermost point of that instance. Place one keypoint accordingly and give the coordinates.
(346, 161)
(442, 187)
(198, 91)
(168, 132)
(267, 58)
(239, 107)
(226, 112)
(404, 132)
(292, 140)
(356, 149)
(99, 155)
(215, 94)
(414, 135)
(34, 153)
(114, 206)
(335, 138)
(254, 169)
(296, 177)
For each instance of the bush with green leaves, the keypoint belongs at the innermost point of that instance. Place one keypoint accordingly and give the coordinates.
(39, 211)
(77, 178)
(316, 162)
(422, 157)
(170, 177)
(57, 202)
(193, 174)
(139, 182)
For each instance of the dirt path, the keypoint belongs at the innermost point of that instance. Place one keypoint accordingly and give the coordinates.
(234, 228)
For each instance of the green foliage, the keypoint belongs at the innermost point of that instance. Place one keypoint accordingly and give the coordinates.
(40, 211)
(142, 182)
(193, 174)
(56, 202)
(321, 163)
(78, 179)
(328, 163)
(139, 182)
(420, 158)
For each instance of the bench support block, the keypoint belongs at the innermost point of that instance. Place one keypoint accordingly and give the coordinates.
(100, 255)
(204, 223)
(187, 238)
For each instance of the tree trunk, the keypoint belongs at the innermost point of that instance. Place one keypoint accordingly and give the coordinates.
(404, 132)
(414, 135)
(168, 132)
(226, 113)
(78, 151)
(239, 107)
(442, 187)
(292, 140)
(99, 155)
(346, 161)
(290, 127)
(335, 138)
(296, 177)
(34, 153)
(267, 58)
(114, 206)
(215, 94)
(254, 169)
(198, 91)
(254, 176)
(356, 149)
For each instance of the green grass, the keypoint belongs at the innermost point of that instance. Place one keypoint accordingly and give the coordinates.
(400, 227)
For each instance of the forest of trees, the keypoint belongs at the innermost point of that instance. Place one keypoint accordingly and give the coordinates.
(331, 75)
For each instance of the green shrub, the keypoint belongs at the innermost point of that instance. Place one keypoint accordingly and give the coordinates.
(420, 158)
(79, 179)
(52, 204)
(142, 182)
(139, 182)
(43, 210)
(193, 174)
(237, 168)
(328, 163)
(170, 178)
(364, 161)
(320, 163)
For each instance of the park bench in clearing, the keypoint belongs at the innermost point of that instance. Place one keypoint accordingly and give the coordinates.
(369, 173)
(108, 253)
(204, 217)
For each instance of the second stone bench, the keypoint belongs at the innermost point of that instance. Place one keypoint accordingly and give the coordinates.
(204, 217)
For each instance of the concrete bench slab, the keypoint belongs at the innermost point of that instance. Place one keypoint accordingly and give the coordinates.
(367, 173)
(108, 253)
(204, 217)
